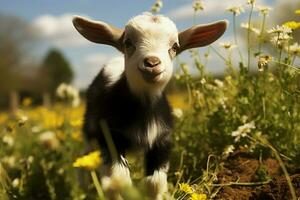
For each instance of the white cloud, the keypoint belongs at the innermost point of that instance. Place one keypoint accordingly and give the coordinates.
(59, 31)
(89, 67)
(211, 9)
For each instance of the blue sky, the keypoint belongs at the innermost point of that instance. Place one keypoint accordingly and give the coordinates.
(53, 17)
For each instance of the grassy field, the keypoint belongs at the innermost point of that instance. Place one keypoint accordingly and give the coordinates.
(237, 137)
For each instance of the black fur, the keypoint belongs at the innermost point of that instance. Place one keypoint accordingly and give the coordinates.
(127, 117)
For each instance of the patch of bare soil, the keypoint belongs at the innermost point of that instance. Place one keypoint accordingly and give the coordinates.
(242, 168)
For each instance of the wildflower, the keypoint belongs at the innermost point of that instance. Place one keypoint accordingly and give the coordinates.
(9, 140)
(89, 162)
(184, 68)
(251, 2)
(10, 161)
(197, 5)
(251, 28)
(157, 6)
(264, 10)
(49, 139)
(236, 10)
(243, 130)
(280, 29)
(184, 187)
(77, 136)
(292, 25)
(227, 45)
(27, 102)
(16, 182)
(196, 196)
(177, 112)
(229, 149)
(203, 81)
(76, 122)
(69, 93)
(297, 12)
(219, 83)
(22, 119)
(263, 62)
(295, 49)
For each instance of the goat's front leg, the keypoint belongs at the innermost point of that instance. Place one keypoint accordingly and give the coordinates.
(115, 177)
(157, 165)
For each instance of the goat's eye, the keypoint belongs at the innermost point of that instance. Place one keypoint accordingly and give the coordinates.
(175, 47)
(128, 43)
(173, 51)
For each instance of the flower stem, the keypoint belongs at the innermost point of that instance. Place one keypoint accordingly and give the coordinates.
(248, 34)
(261, 33)
(235, 38)
(97, 185)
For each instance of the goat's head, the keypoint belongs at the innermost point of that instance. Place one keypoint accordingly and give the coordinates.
(149, 44)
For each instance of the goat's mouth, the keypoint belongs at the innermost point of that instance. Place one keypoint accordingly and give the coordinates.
(151, 74)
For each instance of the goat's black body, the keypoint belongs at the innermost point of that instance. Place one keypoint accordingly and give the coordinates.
(127, 117)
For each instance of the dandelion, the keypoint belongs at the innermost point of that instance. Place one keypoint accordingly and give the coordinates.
(292, 25)
(90, 162)
(197, 5)
(157, 6)
(177, 112)
(227, 45)
(297, 12)
(264, 10)
(76, 122)
(251, 28)
(236, 10)
(295, 49)
(196, 196)
(242, 131)
(184, 187)
(27, 102)
(263, 62)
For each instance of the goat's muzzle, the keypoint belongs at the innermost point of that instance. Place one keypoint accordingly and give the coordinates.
(152, 69)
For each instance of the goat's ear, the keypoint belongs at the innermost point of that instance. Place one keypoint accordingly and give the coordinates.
(201, 35)
(99, 32)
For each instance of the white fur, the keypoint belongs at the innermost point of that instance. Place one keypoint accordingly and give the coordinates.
(114, 69)
(154, 129)
(151, 38)
(157, 184)
(119, 176)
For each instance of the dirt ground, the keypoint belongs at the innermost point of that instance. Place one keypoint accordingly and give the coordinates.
(243, 168)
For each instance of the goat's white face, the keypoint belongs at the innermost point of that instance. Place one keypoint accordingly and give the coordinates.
(149, 44)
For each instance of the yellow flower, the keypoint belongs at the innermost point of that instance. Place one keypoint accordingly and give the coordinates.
(196, 196)
(77, 136)
(27, 102)
(76, 122)
(297, 12)
(292, 25)
(89, 162)
(185, 188)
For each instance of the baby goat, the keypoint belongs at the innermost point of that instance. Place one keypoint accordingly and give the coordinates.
(130, 97)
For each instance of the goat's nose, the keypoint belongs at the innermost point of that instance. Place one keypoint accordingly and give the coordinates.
(151, 61)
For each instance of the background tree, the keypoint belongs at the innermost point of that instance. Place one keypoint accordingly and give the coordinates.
(16, 38)
(54, 71)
